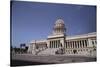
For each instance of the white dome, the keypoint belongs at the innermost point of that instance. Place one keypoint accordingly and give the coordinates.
(59, 21)
(59, 27)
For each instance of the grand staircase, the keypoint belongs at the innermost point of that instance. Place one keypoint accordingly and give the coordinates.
(48, 51)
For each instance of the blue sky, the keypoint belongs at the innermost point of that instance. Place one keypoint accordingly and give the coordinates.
(33, 21)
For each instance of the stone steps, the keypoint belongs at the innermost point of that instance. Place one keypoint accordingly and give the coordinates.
(48, 51)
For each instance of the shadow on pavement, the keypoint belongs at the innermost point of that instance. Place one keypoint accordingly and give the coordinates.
(26, 63)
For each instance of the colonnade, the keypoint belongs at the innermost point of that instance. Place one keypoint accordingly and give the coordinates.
(55, 44)
(76, 44)
(69, 44)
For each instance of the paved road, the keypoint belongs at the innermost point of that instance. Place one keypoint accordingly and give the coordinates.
(37, 60)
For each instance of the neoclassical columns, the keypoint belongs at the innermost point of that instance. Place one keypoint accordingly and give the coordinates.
(54, 44)
(69, 44)
(76, 44)
(81, 43)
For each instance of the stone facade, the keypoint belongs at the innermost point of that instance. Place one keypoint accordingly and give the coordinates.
(59, 44)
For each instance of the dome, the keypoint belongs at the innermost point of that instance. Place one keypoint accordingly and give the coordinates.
(59, 21)
(59, 27)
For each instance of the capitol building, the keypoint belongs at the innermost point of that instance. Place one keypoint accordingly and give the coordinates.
(58, 43)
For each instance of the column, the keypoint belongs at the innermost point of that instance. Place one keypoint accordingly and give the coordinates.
(89, 43)
(95, 42)
(68, 44)
(75, 45)
(78, 44)
(48, 43)
(56, 43)
(52, 44)
(81, 44)
(86, 43)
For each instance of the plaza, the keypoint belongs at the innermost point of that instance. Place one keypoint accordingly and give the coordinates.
(29, 59)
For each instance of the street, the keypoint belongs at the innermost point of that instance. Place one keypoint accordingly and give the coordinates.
(28, 59)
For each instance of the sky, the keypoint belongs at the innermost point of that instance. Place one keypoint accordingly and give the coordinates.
(35, 21)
